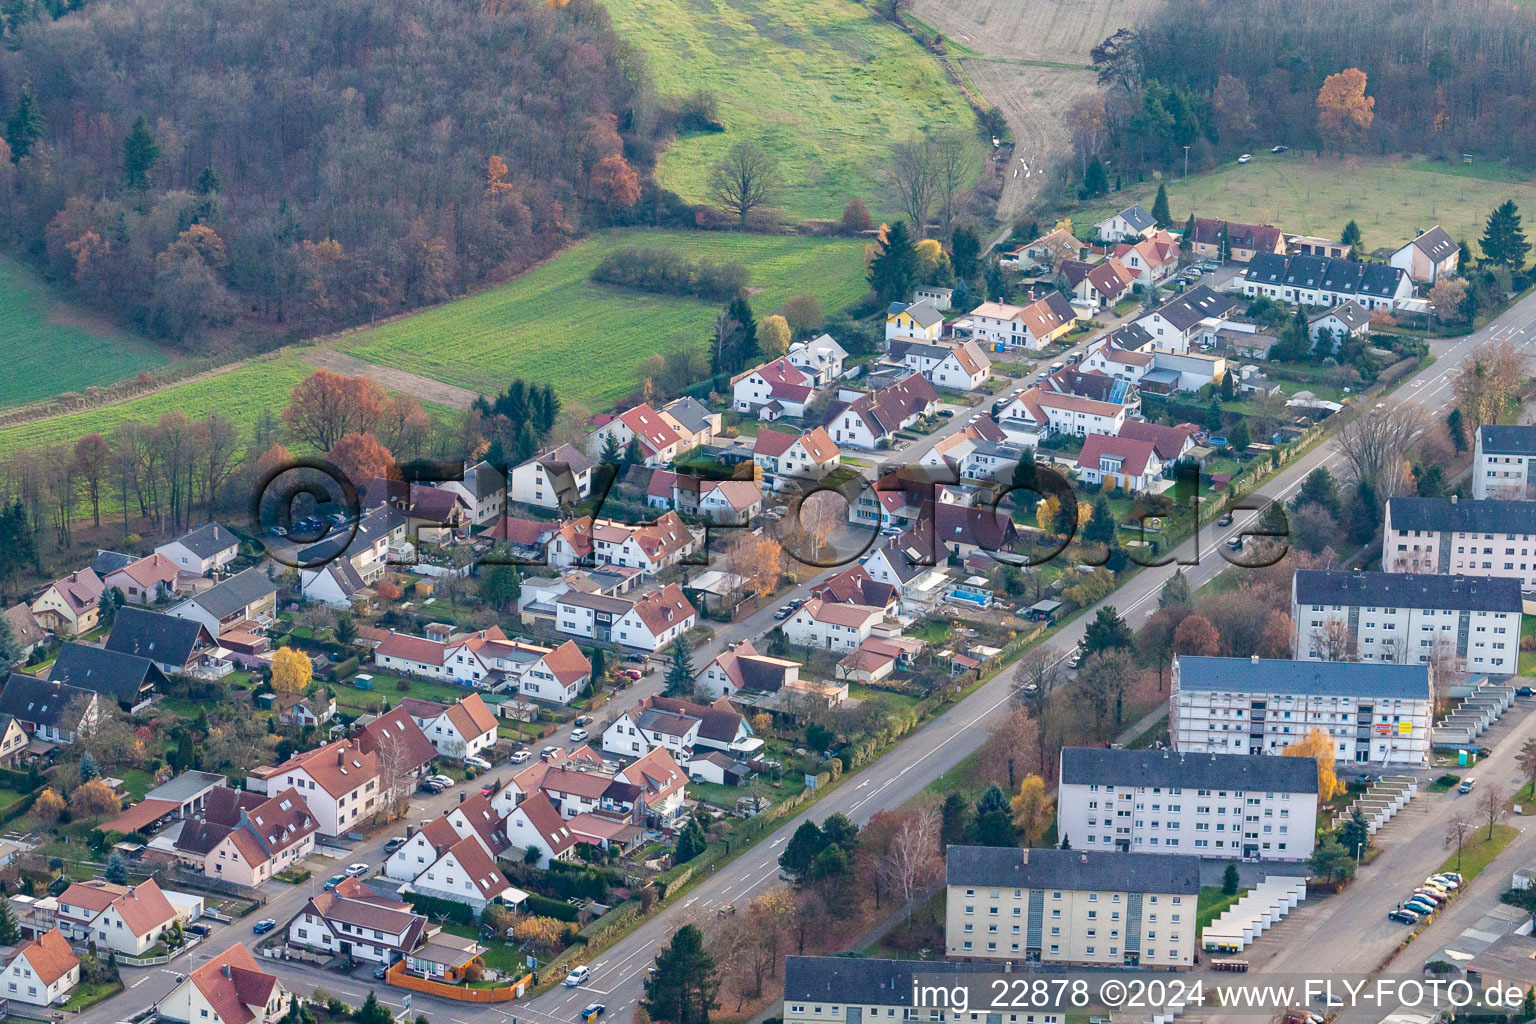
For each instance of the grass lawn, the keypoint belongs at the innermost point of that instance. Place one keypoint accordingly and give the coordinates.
(497, 953)
(555, 326)
(1387, 196)
(822, 85)
(52, 347)
(240, 394)
(1480, 851)
(352, 700)
(90, 993)
(1212, 902)
(858, 691)
(1443, 784)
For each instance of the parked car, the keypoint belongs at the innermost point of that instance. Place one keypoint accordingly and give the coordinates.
(1245, 158)
(1445, 880)
(549, 750)
(428, 786)
(946, 413)
(1524, 691)
(199, 929)
(579, 735)
(475, 761)
(334, 881)
(1278, 149)
(1403, 917)
(628, 673)
(783, 612)
(357, 870)
(394, 844)
(263, 926)
(582, 720)
(1466, 785)
(1452, 876)
(441, 780)
(1225, 520)
(1421, 907)
(577, 976)
(1235, 544)
(1434, 897)
(522, 756)
(380, 971)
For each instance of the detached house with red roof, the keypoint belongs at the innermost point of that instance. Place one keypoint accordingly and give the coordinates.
(129, 919)
(774, 390)
(246, 837)
(650, 547)
(1032, 327)
(873, 417)
(353, 920)
(655, 620)
(459, 730)
(535, 824)
(398, 743)
(1037, 412)
(1133, 465)
(831, 625)
(659, 442)
(338, 781)
(146, 581)
(741, 668)
(43, 971)
(960, 367)
(229, 989)
(662, 785)
(784, 459)
(70, 606)
(1152, 259)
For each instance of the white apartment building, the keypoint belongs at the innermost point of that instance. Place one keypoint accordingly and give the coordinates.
(1375, 714)
(559, 476)
(1447, 535)
(1501, 467)
(1071, 907)
(842, 990)
(1208, 805)
(338, 781)
(1405, 619)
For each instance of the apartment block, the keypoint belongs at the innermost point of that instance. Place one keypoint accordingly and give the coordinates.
(1501, 465)
(1174, 802)
(1376, 714)
(1071, 907)
(1447, 535)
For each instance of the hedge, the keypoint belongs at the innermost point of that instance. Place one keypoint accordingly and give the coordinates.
(618, 919)
(543, 906)
(344, 669)
(432, 906)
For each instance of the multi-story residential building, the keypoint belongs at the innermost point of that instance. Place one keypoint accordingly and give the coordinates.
(1177, 322)
(1130, 224)
(1037, 412)
(650, 547)
(1071, 907)
(740, 667)
(1209, 805)
(774, 390)
(129, 919)
(913, 321)
(831, 625)
(1501, 465)
(201, 551)
(1130, 464)
(174, 645)
(960, 367)
(655, 620)
(560, 476)
(126, 678)
(146, 581)
(353, 920)
(70, 606)
(484, 490)
(846, 990)
(659, 442)
(1314, 281)
(1429, 257)
(341, 566)
(51, 711)
(874, 416)
(250, 595)
(458, 730)
(228, 989)
(1374, 714)
(1239, 243)
(821, 357)
(1448, 535)
(338, 781)
(1405, 618)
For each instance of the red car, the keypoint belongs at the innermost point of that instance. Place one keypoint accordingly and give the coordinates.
(630, 673)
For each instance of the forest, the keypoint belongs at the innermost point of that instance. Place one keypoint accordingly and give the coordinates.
(284, 166)
(1442, 79)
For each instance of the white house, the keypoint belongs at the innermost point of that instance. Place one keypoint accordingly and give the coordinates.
(821, 357)
(1176, 323)
(662, 784)
(534, 824)
(1431, 256)
(1347, 319)
(1129, 224)
(228, 989)
(560, 476)
(484, 490)
(466, 873)
(203, 550)
(831, 625)
(250, 595)
(1133, 465)
(338, 782)
(353, 920)
(1153, 259)
(128, 919)
(937, 296)
(1210, 805)
(1037, 412)
(43, 972)
(422, 847)
(785, 458)
(458, 730)
(651, 546)
(961, 367)
(345, 564)
(1501, 466)
(873, 417)
(776, 389)
(640, 730)
(1314, 281)
(245, 838)
(655, 620)
(740, 667)
(1404, 619)
(1473, 538)
(1032, 327)
(913, 321)
(1376, 714)
(659, 442)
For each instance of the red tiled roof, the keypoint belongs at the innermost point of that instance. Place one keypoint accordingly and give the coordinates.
(1133, 453)
(232, 997)
(50, 956)
(567, 663)
(412, 648)
(664, 608)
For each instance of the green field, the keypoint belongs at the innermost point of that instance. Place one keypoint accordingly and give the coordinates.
(554, 326)
(1390, 198)
(239, 394)
(821, 84)
(52, 348)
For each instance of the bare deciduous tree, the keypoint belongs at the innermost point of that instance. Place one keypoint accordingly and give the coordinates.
(1456, 832)
(744, 179)
(1489, 381)
(1376, 444)
(1491, 805)
(914, 175)
(395, 775)
(1335, 642)
(953, 159)
(913, 862)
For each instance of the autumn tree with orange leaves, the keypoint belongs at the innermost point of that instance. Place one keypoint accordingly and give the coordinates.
(615, 184)
(325, 407)
(362, 458)
(1344, 111)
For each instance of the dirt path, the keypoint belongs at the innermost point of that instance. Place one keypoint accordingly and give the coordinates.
(414, 384)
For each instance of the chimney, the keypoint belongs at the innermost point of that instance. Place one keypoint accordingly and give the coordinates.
(1082, 858)
(224, 970)
(130, 892)
(1454, 498)
(461, 798)
(1255, 658)
(340, 756)
(410, 830)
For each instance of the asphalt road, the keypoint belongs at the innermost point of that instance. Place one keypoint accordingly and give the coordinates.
(618, 974)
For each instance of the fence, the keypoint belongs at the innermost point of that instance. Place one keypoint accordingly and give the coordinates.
(398, 977)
